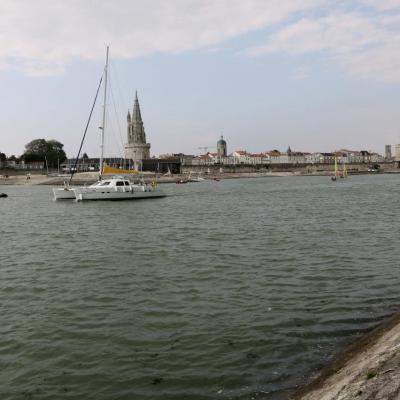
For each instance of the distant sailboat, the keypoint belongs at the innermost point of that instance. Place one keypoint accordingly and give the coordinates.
(340, 174)
(344, 171)
(334, 178)
(168, 172)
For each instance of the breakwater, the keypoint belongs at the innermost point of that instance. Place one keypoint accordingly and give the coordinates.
(304, 169)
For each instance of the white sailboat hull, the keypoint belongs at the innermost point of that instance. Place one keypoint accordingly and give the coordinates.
(117, 193)
(64, 194)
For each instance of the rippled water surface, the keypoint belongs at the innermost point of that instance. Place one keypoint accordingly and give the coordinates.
(236, 289)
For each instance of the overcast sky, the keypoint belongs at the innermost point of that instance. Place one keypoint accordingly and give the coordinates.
(317, 75)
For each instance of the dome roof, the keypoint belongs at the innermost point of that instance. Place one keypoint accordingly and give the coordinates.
(221, 141)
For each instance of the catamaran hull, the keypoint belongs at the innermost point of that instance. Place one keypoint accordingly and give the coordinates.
(136, 195)
(64, 194)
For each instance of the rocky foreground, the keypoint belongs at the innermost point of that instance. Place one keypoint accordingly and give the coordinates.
(370, 370)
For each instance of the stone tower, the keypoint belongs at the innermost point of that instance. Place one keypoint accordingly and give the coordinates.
(136, 149)
(221, 147)
(388, 152)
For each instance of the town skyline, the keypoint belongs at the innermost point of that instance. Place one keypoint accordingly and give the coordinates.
(259, 74)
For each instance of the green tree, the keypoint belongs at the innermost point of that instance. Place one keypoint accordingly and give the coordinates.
(3, 157)
(42, 149)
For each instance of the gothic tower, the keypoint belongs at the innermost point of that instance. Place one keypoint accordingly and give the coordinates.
(136, 149)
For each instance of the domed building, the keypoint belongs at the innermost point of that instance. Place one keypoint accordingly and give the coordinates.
(221, 147)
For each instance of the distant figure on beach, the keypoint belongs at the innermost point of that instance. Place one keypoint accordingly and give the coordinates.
(28, 175)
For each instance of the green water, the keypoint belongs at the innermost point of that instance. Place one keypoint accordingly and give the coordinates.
(236, 289)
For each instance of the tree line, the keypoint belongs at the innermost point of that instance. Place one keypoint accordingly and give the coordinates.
(51, 152)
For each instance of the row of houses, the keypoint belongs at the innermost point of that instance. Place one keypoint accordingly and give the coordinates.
(289, 157)
(173, 162)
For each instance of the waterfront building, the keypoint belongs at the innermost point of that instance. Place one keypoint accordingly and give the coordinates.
(388, 152)
(136, 149)
(221, 147)
(377, 158)
(366, 156)
(298, 157)
(242, 156)
(342, 156)
(294, 157)
(327, 158)
(313, 158)
(397, 152)
(259, 158)
(274, 156)
(349, 156)
(284, 158)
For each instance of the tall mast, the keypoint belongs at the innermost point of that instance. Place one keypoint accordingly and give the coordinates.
(104, 115)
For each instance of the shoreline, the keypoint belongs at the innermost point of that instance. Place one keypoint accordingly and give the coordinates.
(367, 370)
(87, 178)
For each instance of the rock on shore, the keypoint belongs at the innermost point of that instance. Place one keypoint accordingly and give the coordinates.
(370, 370)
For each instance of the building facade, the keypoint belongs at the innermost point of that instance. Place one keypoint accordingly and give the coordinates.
(222, 148)
(388, 152)
(136, 148)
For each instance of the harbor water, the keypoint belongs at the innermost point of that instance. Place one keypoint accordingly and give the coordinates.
(238, 289)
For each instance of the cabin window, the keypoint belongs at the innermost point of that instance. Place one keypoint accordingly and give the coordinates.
(106, 183)
(120, 183)
(127, 183)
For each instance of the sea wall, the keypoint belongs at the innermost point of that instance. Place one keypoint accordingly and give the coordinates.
(297, 168)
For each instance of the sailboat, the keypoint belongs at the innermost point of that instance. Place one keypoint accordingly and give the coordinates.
(116, 187)
(197, 178)
(344, 170)
(334, 178)
(66, 192)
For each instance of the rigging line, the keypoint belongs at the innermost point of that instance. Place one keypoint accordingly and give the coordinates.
(123, 101)
(86, 128)
(116, 116)
(111, 124)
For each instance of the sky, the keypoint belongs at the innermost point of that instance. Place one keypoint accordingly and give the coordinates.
(317, 75)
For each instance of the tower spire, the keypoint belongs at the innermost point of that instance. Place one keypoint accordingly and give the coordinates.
(136, 115)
